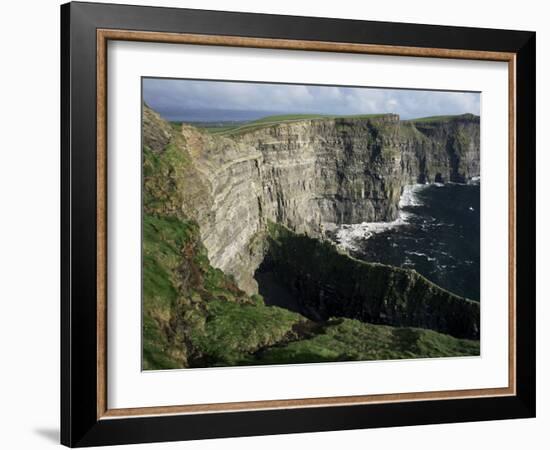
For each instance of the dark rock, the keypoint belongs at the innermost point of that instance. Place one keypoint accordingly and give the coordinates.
(326, 283)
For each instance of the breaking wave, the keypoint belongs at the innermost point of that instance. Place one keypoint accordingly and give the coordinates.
(409, 196)
(347, 236)
(435, 233)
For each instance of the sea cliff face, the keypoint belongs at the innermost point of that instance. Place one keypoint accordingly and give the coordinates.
(326, 283)
(302, 174)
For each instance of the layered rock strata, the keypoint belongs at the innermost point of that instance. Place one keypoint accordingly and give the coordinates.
(303, 174)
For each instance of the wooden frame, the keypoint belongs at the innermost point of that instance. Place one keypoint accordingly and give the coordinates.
(86, 418)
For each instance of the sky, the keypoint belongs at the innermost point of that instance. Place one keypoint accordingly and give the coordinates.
(199, 100)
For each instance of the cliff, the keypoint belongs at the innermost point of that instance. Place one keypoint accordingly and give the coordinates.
(301, 173)
(328, 284)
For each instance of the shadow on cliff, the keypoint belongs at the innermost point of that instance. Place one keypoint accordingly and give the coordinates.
(274, 292)
(312, 278)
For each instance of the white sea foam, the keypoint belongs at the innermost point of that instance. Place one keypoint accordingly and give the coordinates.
(474, 180)
(348, 236)
(409, 196)
(408, 252)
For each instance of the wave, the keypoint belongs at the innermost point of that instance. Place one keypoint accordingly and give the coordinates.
(347, 236)
(409, 196)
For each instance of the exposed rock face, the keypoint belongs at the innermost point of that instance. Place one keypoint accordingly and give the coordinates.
(156, 132)
(448, 150)
(305, 173)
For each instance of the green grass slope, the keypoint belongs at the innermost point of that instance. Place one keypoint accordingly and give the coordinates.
(274, 120)
(447, 118)
(193, 314)
(351, 340)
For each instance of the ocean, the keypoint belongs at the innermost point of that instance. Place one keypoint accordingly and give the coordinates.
(437, 234)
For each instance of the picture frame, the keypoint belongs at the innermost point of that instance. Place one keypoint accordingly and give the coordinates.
(86, 29)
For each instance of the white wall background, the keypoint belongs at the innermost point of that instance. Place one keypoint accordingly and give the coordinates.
(29, 229)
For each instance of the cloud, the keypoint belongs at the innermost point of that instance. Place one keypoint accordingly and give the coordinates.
(181, 99)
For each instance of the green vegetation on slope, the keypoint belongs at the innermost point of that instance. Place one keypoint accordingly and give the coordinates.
(217, 129)
(193, 314)
(161, 183)
(352, 340)
(176, 126)
(233, 331)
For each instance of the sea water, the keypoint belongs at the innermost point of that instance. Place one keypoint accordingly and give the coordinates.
(437, 233)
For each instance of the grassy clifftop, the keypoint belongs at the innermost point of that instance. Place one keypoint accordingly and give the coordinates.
(268, 121)
(274, 120)
(447, 118)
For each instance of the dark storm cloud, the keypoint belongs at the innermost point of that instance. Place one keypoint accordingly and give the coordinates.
(189, 99)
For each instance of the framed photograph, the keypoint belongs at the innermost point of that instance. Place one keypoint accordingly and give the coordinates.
(276, 224)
